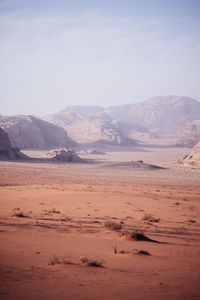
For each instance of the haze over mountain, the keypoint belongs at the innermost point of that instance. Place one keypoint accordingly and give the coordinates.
(89, 124)
(177, 116)
(30, 132)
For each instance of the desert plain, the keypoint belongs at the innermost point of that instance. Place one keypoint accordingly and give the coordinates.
(66, 228)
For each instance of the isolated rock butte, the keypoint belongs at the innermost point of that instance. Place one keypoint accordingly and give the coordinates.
(193, 158)
(6, 151)
(27, 132)
(64, 155)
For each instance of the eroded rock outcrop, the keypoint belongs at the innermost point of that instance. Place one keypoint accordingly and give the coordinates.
(193, 158)
(27, 132)
(90, 125)
(64, 155)
(6, 151)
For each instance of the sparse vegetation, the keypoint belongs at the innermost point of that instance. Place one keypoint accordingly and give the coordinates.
(142, 252)
(123, 252)
(115, 249)
(53, 260)
(151, 219)
(138, 236)
(112, 226)
(51, 211)
(20, 214)
(91, 263)
(135, 251)
(191, 221)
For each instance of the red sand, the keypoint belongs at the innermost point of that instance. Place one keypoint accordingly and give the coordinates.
(67, 205)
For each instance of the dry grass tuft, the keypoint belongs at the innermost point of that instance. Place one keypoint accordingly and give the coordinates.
(142, 252)
(20, 214)
(91, 263)
(138, 236)
(112, 226)
(151, 219)
(191, 221)
(53, 260)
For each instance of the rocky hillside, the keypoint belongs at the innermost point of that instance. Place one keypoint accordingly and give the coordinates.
(29, 132)
(193, 158)
(170, 115)
(6, 151)
(90, 125)
(157, 112)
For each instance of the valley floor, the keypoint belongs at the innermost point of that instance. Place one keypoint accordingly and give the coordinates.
(54, 214)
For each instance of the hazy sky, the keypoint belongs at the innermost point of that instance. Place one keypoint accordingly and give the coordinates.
(101, 52)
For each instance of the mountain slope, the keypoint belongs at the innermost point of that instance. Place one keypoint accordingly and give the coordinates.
(6, 151)
(170, 115)
(29, 132)
(89, 125)
(157, 112)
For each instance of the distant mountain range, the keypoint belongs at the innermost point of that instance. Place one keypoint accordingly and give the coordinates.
(117, 125)
(173, 115)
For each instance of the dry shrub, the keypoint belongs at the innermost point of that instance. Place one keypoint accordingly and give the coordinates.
(112, 226)
(151, 219)
(20, 214)
(91, 263)
(142, 252)
(53, 260)
(137, 236)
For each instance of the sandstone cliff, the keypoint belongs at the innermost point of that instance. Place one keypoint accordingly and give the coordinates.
(193, 158)
(6, 151)
(29, 132)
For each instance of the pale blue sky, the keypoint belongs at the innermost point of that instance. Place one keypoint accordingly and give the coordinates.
(59, 53)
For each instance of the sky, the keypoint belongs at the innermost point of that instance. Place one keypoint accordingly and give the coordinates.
(55, 54)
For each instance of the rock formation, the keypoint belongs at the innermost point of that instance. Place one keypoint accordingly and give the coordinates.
(90, 125)
(171, 116)
(64, 155)
(29, 132)
(157, 112)
(193, 158)
(6, 151)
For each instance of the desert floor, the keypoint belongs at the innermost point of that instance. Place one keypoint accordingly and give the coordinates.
(53, 214)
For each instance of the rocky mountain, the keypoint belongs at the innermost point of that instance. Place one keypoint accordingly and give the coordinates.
(157, 112)
(90, 125)
(193, 158)
(6, 151)
(169, 115)
(30, 132)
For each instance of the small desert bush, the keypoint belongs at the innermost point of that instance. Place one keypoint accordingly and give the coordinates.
(123, 252)
(191, 221)
(53, 260)
(138, 236)
(112, 226)
(135, 251)
(91, 263)
(20, 214)
(151, 219)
